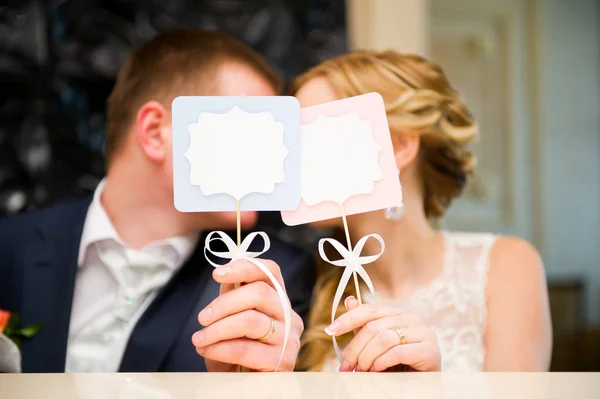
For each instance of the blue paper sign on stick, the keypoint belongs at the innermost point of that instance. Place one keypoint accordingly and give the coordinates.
(230, 149)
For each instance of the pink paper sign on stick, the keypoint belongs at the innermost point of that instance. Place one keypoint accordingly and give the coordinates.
(351, 139)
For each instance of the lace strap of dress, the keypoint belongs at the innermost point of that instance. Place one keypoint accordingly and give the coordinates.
(467, 259)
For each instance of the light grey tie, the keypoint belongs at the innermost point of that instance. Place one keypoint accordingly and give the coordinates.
(139, 275)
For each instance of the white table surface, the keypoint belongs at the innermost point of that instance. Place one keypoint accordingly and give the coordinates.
(301, 385)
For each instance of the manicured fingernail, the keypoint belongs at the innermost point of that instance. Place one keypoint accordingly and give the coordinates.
(333, 328)
(222, 271)
(204, 316)
(347, 300)
(197, 338)
(345, 366)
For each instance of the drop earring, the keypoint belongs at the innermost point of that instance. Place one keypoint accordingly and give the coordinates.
(394, 213)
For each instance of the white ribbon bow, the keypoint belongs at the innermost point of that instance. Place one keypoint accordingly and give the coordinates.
(353, 262)
(234, 253)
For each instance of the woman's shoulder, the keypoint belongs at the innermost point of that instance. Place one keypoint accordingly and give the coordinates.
(506, 252)
(505, 265)
(515, 268)
(514, 256)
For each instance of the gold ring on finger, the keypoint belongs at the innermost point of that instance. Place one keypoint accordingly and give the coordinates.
(400, 335)
(271, 331)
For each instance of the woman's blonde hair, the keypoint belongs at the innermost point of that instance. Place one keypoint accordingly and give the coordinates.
(418, 99)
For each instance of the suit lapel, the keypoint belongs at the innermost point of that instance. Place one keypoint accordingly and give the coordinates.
(50, 266)
(163, 322)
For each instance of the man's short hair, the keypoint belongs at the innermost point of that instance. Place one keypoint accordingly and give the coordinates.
(176, 63)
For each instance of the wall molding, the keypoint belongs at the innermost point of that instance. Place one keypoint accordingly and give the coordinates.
(402, 25)
(535, 76)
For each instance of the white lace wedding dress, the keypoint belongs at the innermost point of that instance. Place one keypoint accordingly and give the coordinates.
(454, 302)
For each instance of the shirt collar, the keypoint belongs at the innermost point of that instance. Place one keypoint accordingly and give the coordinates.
(98, 227)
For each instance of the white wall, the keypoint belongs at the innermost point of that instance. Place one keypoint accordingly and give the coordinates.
(569, 140)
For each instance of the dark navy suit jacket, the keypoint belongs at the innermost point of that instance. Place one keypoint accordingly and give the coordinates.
(38, 263)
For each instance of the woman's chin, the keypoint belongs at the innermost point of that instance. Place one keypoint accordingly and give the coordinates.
(326, 224)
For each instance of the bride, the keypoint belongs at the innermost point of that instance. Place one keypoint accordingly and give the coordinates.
(445, 300)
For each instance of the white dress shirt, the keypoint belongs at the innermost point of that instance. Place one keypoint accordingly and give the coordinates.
(113, 287)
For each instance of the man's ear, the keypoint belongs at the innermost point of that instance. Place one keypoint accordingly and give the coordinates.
(406, 148)
(150, 122)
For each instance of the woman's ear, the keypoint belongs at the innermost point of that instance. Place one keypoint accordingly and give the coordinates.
(151, 119)
(406, 148)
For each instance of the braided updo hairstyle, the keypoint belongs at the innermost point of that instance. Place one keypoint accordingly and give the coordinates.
(419, 99)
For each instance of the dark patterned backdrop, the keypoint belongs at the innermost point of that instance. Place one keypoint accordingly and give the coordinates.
(58, 60)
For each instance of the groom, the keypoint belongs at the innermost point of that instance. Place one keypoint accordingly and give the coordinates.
(118, 280)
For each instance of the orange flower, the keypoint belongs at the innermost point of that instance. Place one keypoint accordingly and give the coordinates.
(4, 317)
